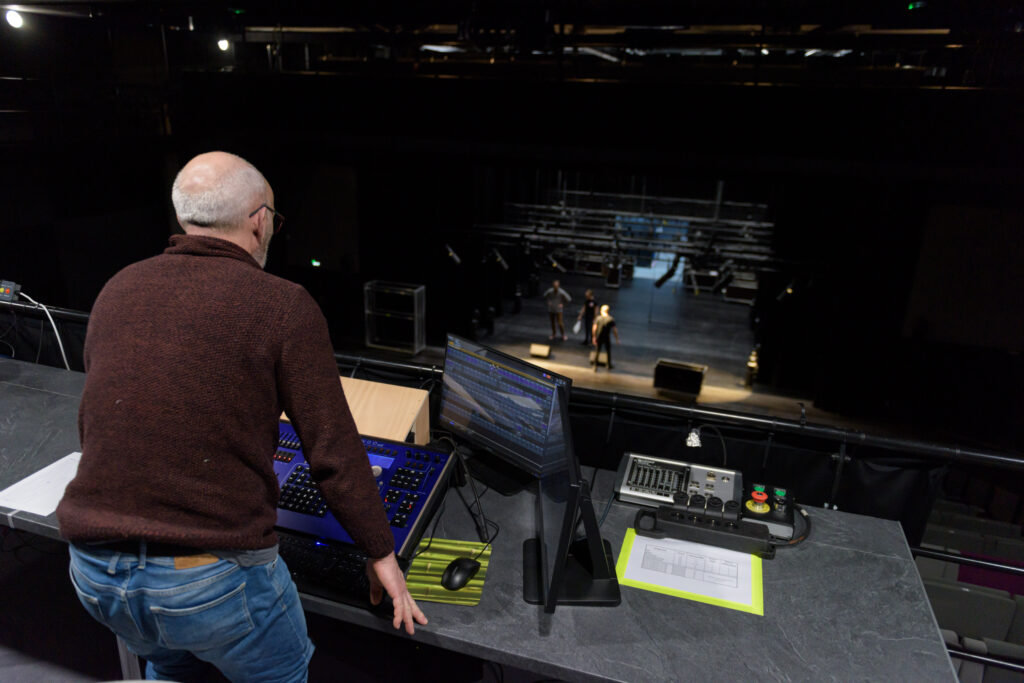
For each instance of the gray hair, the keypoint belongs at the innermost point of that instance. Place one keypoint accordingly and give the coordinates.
(222, 202)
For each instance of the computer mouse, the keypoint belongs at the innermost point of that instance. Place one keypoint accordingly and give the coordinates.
(459, 572)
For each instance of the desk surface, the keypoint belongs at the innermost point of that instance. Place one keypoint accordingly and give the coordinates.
(847, 604)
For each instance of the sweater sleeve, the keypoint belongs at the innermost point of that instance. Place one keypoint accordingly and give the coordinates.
(310, 392)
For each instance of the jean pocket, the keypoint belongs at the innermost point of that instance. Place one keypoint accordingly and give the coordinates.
(203, 627)
(89, 601)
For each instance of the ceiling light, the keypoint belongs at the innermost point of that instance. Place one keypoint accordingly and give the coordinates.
(764, 51)
(223, 44)
(810, 52)
(14, 19)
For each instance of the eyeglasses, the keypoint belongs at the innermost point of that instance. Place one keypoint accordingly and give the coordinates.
(278, 217)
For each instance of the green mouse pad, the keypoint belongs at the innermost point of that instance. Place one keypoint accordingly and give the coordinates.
(434, 556)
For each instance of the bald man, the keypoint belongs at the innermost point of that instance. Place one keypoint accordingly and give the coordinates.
(190, 357)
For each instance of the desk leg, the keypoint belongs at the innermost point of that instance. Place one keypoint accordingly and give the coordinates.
(129, 662)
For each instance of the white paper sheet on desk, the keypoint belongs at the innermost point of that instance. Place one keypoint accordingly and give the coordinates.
(693, 571)
(39, 493)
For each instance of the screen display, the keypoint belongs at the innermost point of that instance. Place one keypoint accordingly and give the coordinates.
(505, 405)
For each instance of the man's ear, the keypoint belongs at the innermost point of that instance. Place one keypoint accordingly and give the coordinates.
(258, 226)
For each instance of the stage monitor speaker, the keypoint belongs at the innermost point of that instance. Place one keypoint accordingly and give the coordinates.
(540, 350)
(677, 376)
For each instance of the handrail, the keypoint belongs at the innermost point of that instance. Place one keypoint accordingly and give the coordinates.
(62, 313)
(983, 659)
(607, 399)
(968, 561)
(775, 425)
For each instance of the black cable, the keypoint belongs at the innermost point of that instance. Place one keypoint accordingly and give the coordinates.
(433, 530)
(720, 438)
(489, 523)
(9, 327)
(607, 509)
(39, 349)
(480, 522)
(796, 540)
(607, 506)
(497, 530)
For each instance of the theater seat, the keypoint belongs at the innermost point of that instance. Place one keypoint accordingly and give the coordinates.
(1003, 650)
(1016, 633)
(964, 541)
(929, 568)
(971, 611)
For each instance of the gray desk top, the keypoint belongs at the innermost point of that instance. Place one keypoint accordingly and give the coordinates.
(847, 604)
(38, 425)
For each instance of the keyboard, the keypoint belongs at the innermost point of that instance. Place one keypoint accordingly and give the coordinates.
(334, 571)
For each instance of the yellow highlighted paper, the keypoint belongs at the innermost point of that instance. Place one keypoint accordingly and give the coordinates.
(683, 569)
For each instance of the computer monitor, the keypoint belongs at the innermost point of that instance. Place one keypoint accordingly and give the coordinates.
(504, 405)
(560, 566)
(520, 413)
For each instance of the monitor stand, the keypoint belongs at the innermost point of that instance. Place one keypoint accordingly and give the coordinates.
(495, 473)
(589, 577)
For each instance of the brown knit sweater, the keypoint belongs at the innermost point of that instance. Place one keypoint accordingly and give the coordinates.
(190, 358)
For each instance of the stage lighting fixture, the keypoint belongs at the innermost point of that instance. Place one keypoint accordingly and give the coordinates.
(441, 48)
(556, 265)
(14, 19)
(500, 260)
(787, 291)
(452, 255)
(223, 45)
(764, 51)
(670, 272)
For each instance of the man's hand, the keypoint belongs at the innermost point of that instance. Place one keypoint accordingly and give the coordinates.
(386, 575)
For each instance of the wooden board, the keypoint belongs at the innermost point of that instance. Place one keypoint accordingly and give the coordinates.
(387, 411)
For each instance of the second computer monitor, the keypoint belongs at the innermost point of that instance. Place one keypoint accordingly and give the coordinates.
(505, 405)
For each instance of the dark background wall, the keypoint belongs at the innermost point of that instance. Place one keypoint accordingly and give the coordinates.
(897, 209)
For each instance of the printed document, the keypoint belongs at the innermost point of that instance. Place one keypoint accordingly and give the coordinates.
(39, 493)
(693, 571)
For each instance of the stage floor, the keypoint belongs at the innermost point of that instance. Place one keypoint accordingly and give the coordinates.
(666, 322)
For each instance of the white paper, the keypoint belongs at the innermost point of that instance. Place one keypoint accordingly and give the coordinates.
(39, 493)
(691, 568)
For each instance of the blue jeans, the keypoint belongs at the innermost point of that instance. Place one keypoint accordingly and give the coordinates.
(246, 621)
